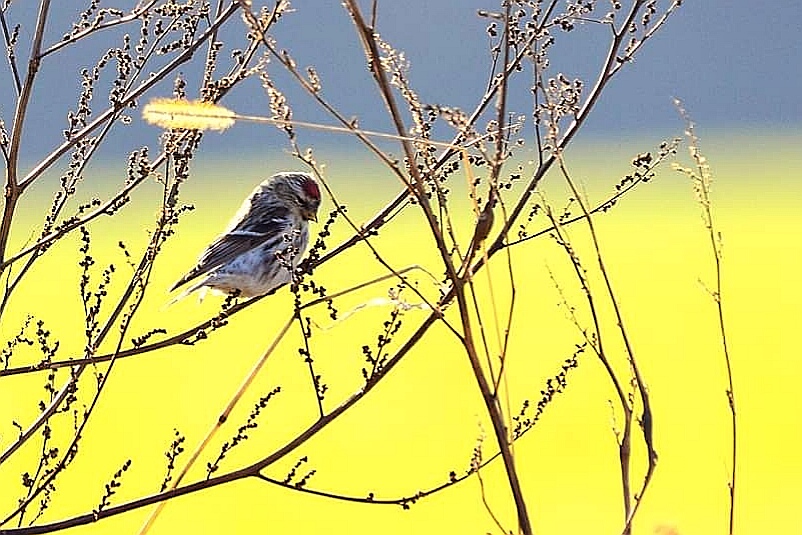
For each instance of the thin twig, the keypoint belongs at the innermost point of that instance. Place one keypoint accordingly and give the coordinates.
(596, 341)
(219, 423)
(702, 179)
(12, 61)
(136, 287)
(64, 392)
(130, 97)
(135, 14)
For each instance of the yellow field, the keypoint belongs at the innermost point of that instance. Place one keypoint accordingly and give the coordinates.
(425, 418)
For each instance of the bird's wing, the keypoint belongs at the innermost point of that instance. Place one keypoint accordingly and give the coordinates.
(250, 232)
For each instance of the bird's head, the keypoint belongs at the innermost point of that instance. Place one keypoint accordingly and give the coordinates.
(300, 190)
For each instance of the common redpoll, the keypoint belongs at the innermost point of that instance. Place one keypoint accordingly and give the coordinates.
(264, 241)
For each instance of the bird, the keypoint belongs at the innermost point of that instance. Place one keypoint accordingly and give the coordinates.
(484, 223)
(264, 242)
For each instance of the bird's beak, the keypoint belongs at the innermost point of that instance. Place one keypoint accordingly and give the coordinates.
(310, 216)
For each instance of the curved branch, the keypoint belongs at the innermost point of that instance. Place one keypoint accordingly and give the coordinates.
(248, 471)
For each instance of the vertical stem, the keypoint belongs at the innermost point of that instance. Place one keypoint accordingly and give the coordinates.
(716, 244)
(12, 189)
(702, 179)
(494, 410)
(496, 415)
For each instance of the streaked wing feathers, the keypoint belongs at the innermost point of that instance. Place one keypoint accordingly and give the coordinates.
(249, 233)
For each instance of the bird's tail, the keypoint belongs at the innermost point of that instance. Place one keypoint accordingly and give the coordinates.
(186, 292)
(193, 273)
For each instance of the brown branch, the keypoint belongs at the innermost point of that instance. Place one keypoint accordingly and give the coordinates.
(511, 310)
(178, 338)
(13, 187)
(378, 220)
(368, 243)
(457, 291)
(78, 370)
(494, 410)
(59, 205)
(248, 471)
(316, 95)
(255, 469)
(596, 341)
(136, 287)
(279, 454)
(605, 75)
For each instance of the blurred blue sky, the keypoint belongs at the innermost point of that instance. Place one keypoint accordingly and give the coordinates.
(735, 64)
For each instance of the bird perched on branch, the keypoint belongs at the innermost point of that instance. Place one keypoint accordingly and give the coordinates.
(484, 223)
(264, 241)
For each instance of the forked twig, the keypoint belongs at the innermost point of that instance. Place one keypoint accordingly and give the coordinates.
(646, 416)
(596, 342)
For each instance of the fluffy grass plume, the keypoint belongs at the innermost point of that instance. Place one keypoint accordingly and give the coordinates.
(187, 114)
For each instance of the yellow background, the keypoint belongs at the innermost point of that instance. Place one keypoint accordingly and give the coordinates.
(426, 417)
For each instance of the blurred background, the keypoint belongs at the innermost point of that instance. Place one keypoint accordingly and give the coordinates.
(736, 67)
